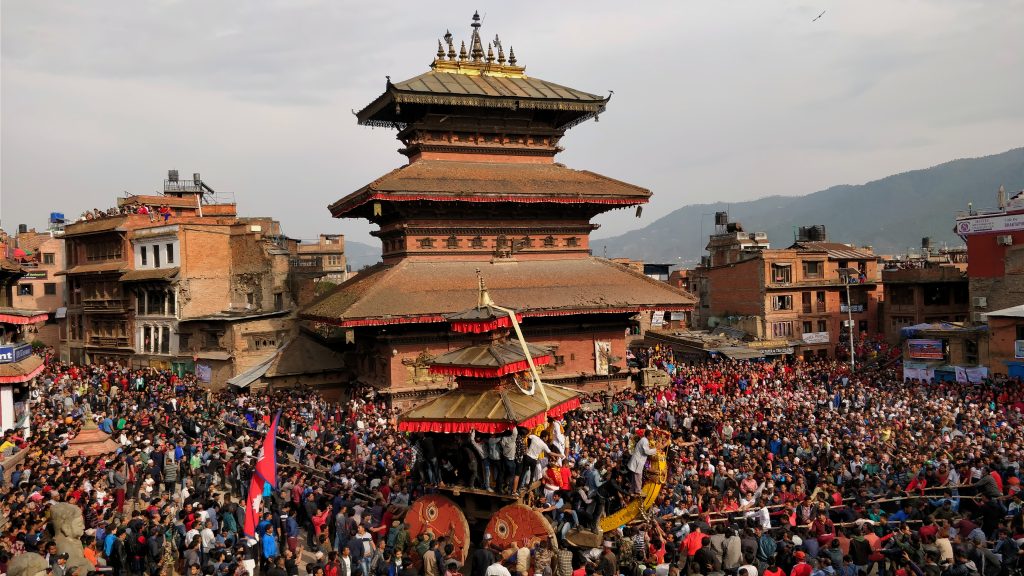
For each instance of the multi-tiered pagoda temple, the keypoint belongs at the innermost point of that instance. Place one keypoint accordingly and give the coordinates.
(482, 190)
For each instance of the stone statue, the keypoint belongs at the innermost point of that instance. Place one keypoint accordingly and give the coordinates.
(27, 564)
(68, 526)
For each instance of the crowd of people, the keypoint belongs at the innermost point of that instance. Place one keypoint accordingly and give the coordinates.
(803, 469)
(155, 212)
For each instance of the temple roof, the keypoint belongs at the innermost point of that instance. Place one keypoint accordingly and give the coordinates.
(480, 79)
(492, 410)
(500, 354)
(430, 290)
(445, 180)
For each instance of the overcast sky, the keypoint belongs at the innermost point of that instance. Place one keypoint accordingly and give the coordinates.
(713, 100)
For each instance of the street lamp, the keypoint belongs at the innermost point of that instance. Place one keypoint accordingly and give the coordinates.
(846, 274)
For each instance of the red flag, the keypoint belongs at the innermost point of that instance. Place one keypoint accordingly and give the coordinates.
(266, 466)
(253, 503)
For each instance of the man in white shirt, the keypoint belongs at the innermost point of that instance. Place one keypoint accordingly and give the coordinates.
(639, 459)
(497, 568)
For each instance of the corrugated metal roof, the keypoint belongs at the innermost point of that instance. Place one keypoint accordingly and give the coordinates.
(494, 86)
(836, 250)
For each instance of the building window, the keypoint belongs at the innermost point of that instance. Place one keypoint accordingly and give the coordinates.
(211, 339)
(171, 303)
(813, 269)
(99, 251)
(426, 243)
(527, 242)
(1020, 332)
(572, 242)
(782, 302)
(549, 242)
(48, 259)
(278, 301)
(250, 299)
(143, 251)
(901, 321)
(165, 340)
(781, 274)
(477, 242)
(184, 342)
(156, 256)
(452, 242)
(334, 260)
(782, 329)
(822, 325)
(170, 253)
(808, 326)
(559, 360)
(50, 288)
(24, 289)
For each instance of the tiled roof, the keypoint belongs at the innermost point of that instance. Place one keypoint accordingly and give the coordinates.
(149, 274)
(494, 405)
(493, 355)
(836, 250)
(305, 355)
(441, 88)
(421, 291)
(111, 266)
(21, 371)
(445, 180)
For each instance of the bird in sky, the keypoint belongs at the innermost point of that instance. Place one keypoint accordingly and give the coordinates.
(816, 18)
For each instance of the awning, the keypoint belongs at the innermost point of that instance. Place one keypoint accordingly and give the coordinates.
(490, 410)
(20, 316)
(149, 274)
(740, 352)
(21, 371)
(251, 375)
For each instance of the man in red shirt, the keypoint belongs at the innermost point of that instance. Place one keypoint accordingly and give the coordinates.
(802, 568)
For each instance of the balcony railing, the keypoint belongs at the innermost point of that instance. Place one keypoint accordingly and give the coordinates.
(103, 304)
(108, 341)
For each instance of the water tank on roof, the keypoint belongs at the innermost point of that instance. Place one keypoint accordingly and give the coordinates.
(733, 227)
(721, 218)
(814, 233)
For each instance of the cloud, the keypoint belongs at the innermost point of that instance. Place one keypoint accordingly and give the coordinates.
(712, 100)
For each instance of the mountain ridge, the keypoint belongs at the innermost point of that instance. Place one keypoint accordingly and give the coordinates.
(891, 213)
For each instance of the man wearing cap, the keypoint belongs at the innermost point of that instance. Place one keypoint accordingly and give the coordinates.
(801, 568)
(482, 557)
(60, 568)
(608, 565)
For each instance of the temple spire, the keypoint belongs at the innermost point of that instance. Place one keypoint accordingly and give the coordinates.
(511, 56)
(501, 51)
(476, 46)
(440, 50)
(462, 51)
(490, 54)
(451, 44)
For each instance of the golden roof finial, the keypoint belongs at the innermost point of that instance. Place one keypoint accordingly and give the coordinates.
(462, 51)
(451, 44)
(501, 51)
(511, 56)
(440, 51)
(490, 54)
(476, 48)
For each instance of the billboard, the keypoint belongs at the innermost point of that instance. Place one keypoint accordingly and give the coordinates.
(925, 349)
(815, 337)
(14, 353)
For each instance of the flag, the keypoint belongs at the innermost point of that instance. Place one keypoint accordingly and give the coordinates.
(266, 465)
(253, 503)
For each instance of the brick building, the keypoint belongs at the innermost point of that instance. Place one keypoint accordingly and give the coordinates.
(196, 289)
(18, 365)
(1006, 341)
(926, 289)
(796, 294)
(482, 192)
(326, 255)
(995, 255)
(41, 256)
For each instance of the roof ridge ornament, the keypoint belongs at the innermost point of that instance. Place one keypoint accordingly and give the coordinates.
(472, 59)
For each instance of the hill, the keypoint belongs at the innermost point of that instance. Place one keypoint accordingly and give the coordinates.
(891, 214)
(359, 255)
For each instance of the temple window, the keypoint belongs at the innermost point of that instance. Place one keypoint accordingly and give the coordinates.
(549, 242)
(452, 242)
(477, 242)
(426, 243)
(572, 242)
